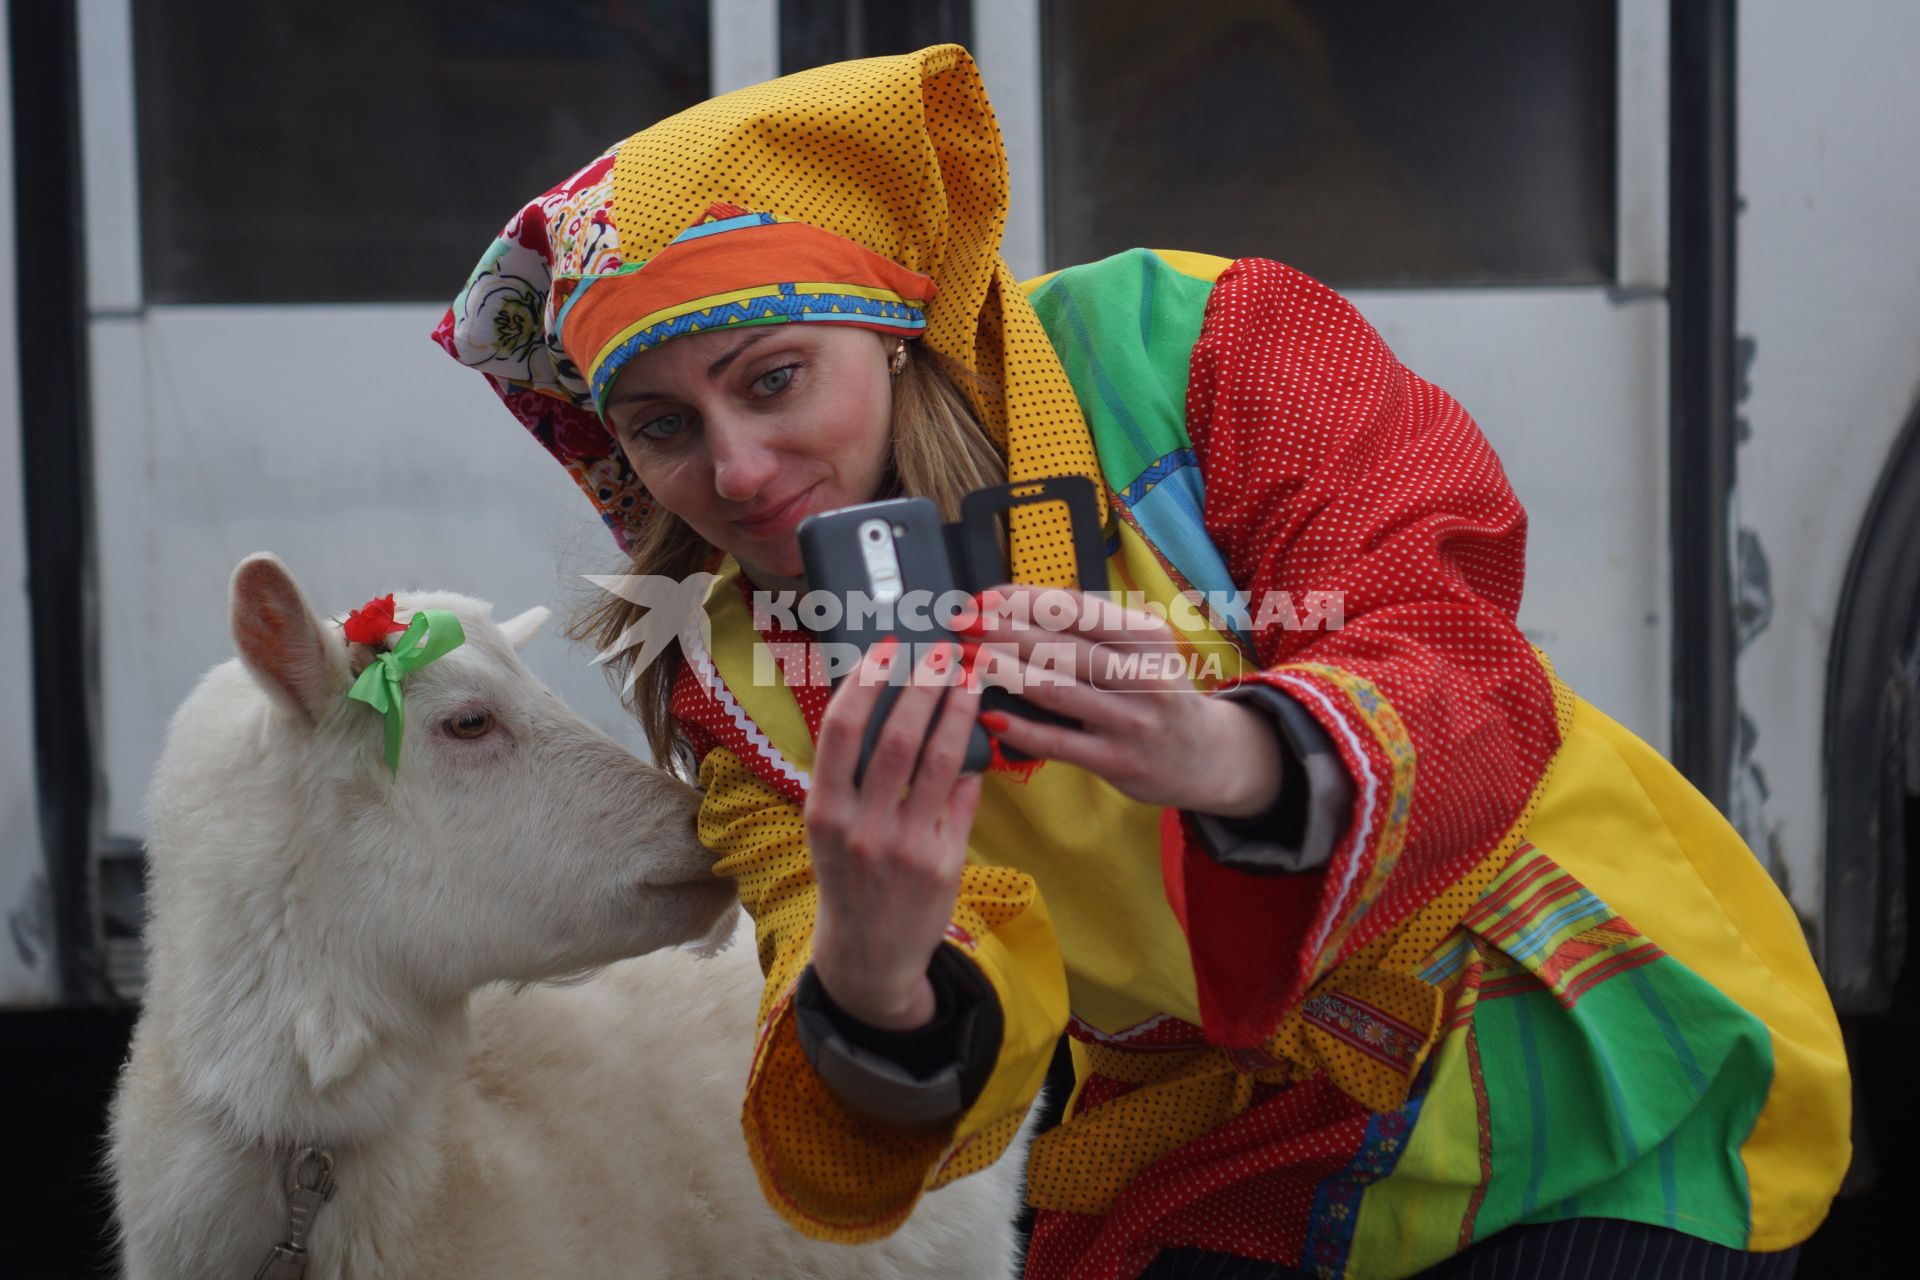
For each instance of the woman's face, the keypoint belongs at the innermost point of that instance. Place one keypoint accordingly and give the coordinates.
(743, 434)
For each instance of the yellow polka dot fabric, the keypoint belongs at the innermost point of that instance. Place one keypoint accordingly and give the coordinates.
(761, 842)
(833, 1174)
(1176, 1096)
(901, 155)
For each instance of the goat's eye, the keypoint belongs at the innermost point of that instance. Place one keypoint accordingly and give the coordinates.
(471, 725)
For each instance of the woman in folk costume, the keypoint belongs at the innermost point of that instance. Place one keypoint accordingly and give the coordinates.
(1385, 955)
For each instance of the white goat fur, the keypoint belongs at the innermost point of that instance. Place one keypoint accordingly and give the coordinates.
(329, 949)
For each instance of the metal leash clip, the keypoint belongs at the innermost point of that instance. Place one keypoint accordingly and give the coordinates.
(309, 1185)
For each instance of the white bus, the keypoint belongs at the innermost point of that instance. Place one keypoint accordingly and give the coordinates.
(1668, 255)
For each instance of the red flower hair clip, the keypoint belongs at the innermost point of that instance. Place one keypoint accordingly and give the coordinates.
(372, 622)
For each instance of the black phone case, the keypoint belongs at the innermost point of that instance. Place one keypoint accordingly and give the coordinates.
(973, 545)
(834, 562)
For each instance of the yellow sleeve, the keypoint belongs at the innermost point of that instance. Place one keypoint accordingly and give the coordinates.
(831, 1173)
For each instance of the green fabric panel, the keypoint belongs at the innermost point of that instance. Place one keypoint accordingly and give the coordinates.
(1125, 327)
(1694, 1180)
(1411, 1220)
(1635, 1103)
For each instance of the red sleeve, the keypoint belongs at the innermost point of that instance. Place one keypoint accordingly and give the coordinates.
(1329, 467)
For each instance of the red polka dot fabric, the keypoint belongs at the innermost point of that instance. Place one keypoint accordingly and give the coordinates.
(1329, 467)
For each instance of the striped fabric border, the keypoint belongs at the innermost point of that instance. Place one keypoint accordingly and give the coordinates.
(1552, 932)
(786, 302)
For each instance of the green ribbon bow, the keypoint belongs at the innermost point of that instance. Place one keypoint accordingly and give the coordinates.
(379, 685)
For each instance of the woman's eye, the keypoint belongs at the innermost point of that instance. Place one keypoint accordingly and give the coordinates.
(474, 724)
(774, 381)
(664, 427)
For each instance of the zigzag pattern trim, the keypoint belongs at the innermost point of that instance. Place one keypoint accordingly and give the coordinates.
(1159, 469)
(700, 659)
(787, 304)
(1125, 1034)
(1369, 793)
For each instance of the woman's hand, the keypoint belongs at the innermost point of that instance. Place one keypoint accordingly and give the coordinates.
(1145, 728)
(888, 853)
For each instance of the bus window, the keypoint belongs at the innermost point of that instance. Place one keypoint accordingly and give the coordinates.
(1371, 144)
(364, 151)
(816, 32)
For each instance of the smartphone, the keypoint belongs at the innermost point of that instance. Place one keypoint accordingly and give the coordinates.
(888, 565)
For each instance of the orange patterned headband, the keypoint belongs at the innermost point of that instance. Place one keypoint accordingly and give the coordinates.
(732, 268)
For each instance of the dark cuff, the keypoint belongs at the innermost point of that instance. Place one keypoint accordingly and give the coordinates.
(1300, 831)
(906, 1079)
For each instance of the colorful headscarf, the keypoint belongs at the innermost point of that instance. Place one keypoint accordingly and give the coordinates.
(899, 156)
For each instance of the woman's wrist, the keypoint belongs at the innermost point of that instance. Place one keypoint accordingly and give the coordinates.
(1242, 770)
(907, 1009)
(903, 1002)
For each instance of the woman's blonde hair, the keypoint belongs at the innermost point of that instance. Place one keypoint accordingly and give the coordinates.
(939, 452)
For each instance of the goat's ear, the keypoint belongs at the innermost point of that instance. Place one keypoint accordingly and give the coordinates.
(298, 661)
(331, 1041)
(521, 627)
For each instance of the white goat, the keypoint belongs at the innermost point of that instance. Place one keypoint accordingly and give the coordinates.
(327, 946)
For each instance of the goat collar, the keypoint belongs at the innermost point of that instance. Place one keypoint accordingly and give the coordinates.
(309, 1185)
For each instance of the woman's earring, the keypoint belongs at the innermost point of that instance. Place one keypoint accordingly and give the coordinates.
(899, 361)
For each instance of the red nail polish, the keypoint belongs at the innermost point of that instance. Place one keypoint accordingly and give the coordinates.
(994, 721)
